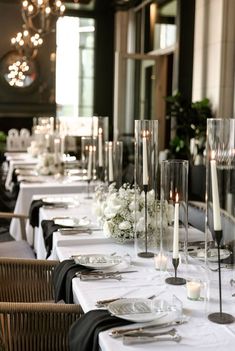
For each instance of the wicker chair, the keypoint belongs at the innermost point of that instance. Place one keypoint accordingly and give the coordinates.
(21, 248)
(23, 280)
(29, 319)
(36, 327)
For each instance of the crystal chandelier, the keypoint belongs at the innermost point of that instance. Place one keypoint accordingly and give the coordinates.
(40, 15)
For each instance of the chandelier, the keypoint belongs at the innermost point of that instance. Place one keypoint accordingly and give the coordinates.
(40, 15)
(27, 43)
(17, 73)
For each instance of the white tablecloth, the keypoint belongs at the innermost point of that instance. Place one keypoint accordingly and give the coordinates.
(21, 160)
(84, 209)
(198, 333)
(50, 186)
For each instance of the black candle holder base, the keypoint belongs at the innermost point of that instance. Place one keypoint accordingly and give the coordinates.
(146, 254)
(175, 281)
(221, 318)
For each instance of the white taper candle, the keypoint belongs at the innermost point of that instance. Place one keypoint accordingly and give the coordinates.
(89, 163)
(145, 159)
(100, 148)
(176, 229)
(110, 151)
(215, 196)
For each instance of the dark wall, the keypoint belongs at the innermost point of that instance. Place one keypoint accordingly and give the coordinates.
(24, 104)
(104, 64)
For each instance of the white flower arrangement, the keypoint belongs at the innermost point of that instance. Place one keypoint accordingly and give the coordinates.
(122, 211)
(36, 148)
(48, 164)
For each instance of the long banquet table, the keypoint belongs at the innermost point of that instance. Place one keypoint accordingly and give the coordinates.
(198, 333)
(49, 185)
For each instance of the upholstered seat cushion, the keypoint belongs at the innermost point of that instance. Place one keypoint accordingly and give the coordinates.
(17, 249)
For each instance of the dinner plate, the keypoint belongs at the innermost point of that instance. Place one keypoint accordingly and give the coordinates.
(73, 222)
(212, 254)
(142, 310)
(97, 261)
(66, 200)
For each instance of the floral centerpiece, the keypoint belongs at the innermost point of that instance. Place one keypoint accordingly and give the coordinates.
(121, 212)
(36, 148)
(49, 164)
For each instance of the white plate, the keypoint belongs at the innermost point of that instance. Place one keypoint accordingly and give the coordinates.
(66, 200)
(142, 310)
(212, 254)
(73, 222)
(97, 261)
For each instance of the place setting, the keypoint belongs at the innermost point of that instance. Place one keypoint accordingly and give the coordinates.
(102, 266)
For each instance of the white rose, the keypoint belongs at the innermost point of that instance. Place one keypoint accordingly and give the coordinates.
(124, 225)
(133, 206)
(109, 213)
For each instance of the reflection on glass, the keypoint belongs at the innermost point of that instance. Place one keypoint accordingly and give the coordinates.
(17, 70)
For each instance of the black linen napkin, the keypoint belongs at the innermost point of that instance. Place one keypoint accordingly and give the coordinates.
(63, 274)
(34, 212)
(48, 228)
(83, 334)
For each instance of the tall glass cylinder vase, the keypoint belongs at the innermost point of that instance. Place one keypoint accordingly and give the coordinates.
(100, 132)
(147, 235)
(113, 162)
(88, 155)
(220, 209)
(174, 202)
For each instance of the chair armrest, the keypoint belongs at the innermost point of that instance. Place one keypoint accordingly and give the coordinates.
(22, 218)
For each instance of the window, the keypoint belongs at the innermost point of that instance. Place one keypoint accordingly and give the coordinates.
(74, 66)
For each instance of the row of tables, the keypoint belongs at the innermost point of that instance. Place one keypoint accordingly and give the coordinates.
(198, 333)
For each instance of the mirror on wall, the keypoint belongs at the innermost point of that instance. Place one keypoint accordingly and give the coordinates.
(18, 71)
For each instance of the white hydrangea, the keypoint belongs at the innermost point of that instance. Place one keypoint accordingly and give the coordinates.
(122, 211)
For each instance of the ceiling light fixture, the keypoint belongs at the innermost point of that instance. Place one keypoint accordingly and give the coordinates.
(27, 42)
(40, 15)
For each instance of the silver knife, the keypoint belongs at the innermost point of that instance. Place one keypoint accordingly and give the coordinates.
(98, 275)
(170, 335)
(106, 273)
(117, 332)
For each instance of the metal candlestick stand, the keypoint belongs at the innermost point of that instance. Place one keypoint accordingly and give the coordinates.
(220, 317)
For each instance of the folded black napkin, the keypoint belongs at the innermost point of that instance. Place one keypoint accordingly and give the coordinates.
(34, 212)
(48, 228)
(63, 274)
(83, 334)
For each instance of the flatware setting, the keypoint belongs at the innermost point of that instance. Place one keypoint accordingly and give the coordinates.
(146, 337)
(118, 332)
(77, 230)
(71, 231)
(99, 275)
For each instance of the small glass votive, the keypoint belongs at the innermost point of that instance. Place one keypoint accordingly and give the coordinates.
(160, 261)
(194, 289)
